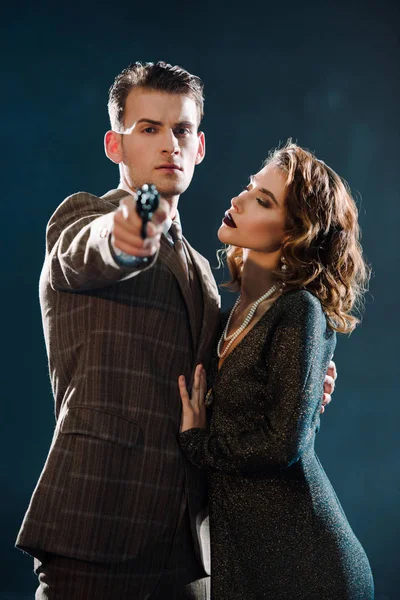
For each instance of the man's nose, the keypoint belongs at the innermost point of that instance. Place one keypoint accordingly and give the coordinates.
(170, 143)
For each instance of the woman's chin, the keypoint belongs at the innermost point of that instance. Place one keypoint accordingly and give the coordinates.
(223, 234)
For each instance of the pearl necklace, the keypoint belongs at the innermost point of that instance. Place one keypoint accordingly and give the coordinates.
(231, 338)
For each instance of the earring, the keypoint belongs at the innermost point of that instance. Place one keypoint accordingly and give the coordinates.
(283, 268)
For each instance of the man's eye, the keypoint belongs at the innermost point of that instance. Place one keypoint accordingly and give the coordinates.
(182, 131)
(149, 129)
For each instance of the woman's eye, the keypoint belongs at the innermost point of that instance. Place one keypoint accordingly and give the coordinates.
(149, 130)
(264, 203)
(246, 189)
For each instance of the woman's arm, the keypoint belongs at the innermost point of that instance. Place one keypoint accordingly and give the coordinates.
(297, 360)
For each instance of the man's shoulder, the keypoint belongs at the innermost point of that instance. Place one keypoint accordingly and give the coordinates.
(114, 196)
(86, 203)
(111, 197)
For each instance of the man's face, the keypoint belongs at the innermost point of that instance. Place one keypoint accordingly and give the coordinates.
(160, 143)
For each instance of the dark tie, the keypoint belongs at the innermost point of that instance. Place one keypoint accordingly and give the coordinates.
(175, 232)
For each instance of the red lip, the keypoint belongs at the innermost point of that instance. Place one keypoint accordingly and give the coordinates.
(169, 166)
(228, 220)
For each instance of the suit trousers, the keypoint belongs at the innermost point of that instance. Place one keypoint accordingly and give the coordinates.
(172, 573)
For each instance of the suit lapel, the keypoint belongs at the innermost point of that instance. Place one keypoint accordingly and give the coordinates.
(211, 301)
(211, 298)
(171, 260)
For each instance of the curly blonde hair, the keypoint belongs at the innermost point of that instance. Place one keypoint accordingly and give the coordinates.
(323, 252)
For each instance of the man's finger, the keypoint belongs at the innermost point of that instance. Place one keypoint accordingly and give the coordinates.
(126, 234)
(122, 235)
(127, 208)
(127, 216)
(133, 250)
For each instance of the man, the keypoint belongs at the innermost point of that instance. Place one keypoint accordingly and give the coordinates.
(117, 512)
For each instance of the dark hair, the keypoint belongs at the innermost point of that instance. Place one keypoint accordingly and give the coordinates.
(322, 253)
(159, 76)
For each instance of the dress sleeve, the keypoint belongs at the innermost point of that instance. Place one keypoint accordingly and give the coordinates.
(296, 364)
(78, 250)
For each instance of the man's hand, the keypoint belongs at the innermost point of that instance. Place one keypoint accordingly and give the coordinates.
(126, 234)
(194, 409)
(329, 385)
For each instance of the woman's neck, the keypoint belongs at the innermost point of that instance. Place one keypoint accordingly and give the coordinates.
(257, 276)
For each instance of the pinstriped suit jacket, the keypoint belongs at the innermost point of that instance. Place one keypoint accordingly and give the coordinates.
(115, 480)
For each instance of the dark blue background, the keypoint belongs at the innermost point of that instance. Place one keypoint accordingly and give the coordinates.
(325, 74)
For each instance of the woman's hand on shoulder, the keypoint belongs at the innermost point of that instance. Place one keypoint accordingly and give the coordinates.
(329, 385)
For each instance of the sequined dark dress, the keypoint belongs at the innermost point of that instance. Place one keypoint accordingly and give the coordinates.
(278, 531)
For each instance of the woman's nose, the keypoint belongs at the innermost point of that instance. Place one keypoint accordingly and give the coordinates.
(235, 204)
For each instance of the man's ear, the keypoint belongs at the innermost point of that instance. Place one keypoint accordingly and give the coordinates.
(201, 151)
(112, 146)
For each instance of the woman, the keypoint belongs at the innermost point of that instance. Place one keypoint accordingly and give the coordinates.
(277, 528)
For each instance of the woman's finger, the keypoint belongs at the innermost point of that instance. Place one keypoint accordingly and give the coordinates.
(203, 385)
(332, 370)
(196, 384)
(183, 391)
(326, 398)
(329, 384)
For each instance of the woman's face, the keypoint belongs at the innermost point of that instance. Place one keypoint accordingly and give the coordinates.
(256, 219)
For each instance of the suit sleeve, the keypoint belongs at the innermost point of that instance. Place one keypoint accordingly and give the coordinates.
(78, 250)
(297, 365)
